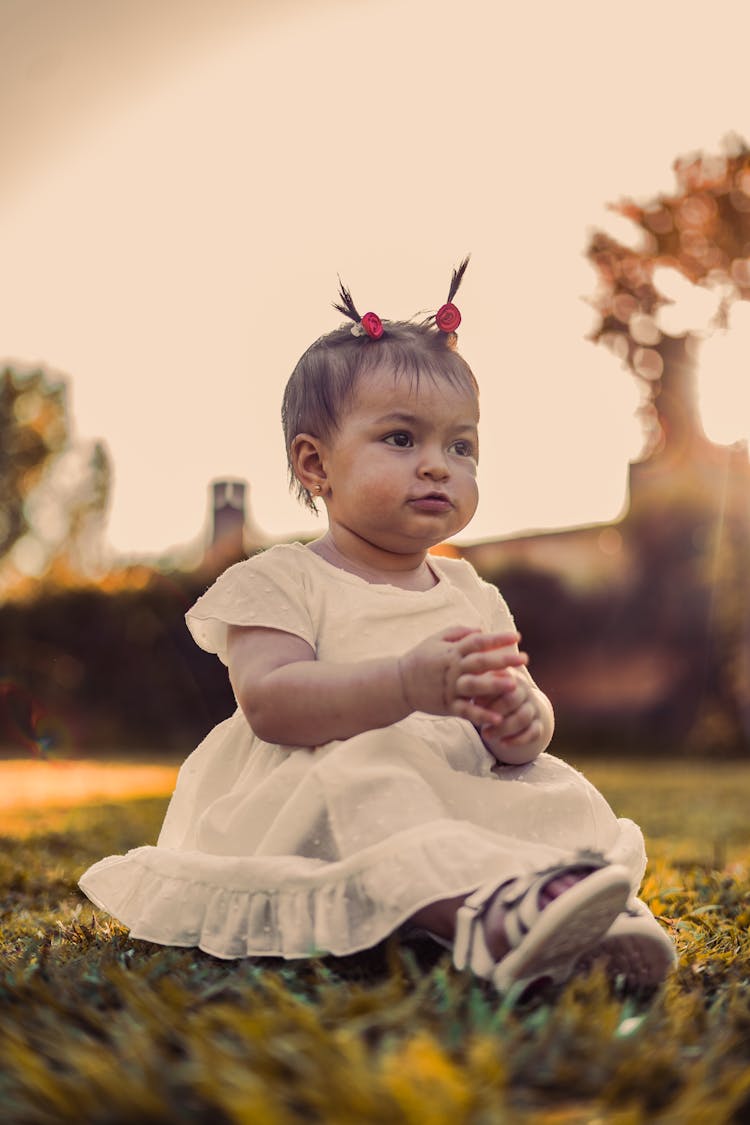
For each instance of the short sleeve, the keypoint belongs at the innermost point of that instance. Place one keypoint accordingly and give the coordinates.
(270, 590)
(501, 617)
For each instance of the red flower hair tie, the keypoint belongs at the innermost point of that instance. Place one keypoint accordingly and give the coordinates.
(368, 325)
(448, 318)
(371, 324)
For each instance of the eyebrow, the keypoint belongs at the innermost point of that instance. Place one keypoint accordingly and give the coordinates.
(414, 420)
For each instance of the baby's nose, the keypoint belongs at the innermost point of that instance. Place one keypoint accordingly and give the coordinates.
(435, 467)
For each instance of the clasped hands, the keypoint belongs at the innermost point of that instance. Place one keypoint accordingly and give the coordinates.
(476, 676)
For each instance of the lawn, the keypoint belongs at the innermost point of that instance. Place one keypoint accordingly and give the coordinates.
(97, 1028)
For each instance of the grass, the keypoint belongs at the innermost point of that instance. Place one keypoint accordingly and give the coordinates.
(98, 1028)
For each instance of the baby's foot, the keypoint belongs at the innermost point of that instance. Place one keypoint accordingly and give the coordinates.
(537, 926)
(493, 922)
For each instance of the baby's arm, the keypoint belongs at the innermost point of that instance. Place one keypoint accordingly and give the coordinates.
(291, 698)
(528, 719)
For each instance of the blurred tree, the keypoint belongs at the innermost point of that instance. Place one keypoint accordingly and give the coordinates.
(33, 428)
(89, 509)
(689, 498)
(73, 506)
(702, 231)
(53, 491)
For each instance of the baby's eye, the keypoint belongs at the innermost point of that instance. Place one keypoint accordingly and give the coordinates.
(463, 448)
(401, 438)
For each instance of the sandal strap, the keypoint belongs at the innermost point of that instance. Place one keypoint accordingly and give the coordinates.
(469, 945)
(521, 902)
(520, 897)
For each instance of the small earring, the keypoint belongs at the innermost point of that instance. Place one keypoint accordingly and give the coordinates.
(318, 489)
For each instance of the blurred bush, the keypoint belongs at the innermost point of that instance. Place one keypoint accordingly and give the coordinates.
(87, 669)
(54, 491)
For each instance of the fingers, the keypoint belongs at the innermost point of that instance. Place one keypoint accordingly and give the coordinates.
(493, 674)
(492, 685)
(485, 642)
(472, 639)
(483, 665)
(502, 695)
(495, 660)
(525, 737)
(457, 633)
(477, 713)
(509, 694)
(513, 724)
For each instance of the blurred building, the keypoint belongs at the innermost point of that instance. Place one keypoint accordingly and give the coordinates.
(233, 534)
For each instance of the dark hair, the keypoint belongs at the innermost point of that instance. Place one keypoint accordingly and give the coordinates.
(323, 383)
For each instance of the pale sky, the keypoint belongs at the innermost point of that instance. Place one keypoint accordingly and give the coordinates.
(183, 181)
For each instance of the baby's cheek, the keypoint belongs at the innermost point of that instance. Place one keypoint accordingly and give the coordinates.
(473, 491)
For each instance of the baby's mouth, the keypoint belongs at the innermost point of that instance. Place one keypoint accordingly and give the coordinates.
(432, 502)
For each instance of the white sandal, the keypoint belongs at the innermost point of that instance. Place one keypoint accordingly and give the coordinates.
(546, 942)
(634, 949)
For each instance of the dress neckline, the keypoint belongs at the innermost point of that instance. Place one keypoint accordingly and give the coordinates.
(356, 579)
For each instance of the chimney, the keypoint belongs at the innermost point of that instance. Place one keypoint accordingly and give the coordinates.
(228, 522)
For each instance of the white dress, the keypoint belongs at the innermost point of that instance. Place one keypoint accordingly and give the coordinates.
(267, 850)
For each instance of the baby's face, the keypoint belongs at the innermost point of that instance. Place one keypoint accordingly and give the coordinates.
(401, 467)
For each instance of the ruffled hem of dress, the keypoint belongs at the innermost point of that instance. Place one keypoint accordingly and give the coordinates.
(232, 907)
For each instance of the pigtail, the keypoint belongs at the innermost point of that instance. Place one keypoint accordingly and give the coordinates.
(448, 318)
(368, 325)
(347, 306)
(457, 277)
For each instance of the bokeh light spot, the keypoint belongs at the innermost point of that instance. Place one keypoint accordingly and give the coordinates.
(648, 363)
(610, 541)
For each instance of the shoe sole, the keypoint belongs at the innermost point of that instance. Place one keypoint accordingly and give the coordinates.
(636, 951)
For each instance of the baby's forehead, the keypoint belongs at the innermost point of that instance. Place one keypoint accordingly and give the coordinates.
(425, 391)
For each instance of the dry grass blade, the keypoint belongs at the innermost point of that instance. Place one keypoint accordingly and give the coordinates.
(96, 1027)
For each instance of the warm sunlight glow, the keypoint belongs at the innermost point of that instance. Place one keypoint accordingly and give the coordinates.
(725, 379)
(692, 306)
(30, 784)
(184, 193)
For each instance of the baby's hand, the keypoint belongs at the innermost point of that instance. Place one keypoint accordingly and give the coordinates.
(456, 671)
(518, 704)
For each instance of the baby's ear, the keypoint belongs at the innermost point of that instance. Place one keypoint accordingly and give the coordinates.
(307, 462)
